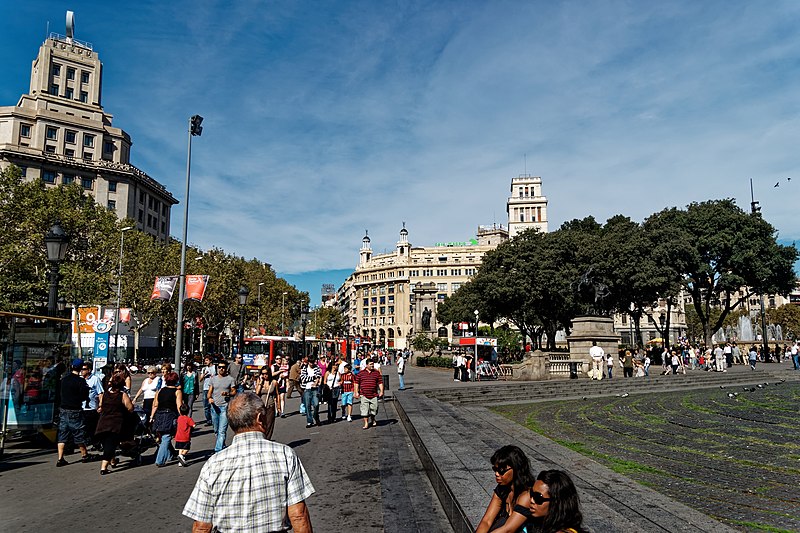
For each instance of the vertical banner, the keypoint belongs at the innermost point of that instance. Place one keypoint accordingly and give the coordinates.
(164, 287)
(100, 354)
(196, 287)
(87, 316)
(125, 315)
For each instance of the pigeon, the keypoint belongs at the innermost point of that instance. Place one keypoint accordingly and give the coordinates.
(585, 398)
(625, 395)
(777, 185)
(745, 389)
(752, 389)
(760, 386)
(736, 394)
(731, 395)
(722, 386)
(766, 383)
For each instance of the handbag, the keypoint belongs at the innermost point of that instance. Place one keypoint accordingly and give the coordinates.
(165, 421)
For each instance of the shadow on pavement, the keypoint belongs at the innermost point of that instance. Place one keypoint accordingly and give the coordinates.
(298, 443)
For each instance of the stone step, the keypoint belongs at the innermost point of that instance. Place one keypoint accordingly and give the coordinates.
(455, 443)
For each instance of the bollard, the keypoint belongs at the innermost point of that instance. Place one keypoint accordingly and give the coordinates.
(573, 370)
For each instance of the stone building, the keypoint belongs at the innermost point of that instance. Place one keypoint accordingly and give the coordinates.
(59, 133)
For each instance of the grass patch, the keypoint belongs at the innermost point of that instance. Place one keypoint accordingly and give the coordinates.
(620, 466)
(758, 526)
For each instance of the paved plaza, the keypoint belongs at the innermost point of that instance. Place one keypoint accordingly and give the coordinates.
(735, 459)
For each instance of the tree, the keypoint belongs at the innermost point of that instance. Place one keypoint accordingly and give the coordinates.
(788, 316)
(723, 251)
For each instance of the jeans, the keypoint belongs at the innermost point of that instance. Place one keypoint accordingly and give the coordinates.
(610, 371)
(219, 417)
(796, 362)
(206, 406)
(401, 380)
(333, 403)
(164, 449)
(189, 399)
(311, 403)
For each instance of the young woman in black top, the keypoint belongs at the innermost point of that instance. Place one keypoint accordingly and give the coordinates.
(508, 510)
(554, 504)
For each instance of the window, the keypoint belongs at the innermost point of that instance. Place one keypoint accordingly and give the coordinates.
(84, 77)
(441, 271)
(391, 309)
(383, 299)
(140, 218)
(56, 69)
(54, 89)
(24, 171)
(163, 226)
(455, 271)
(88, 156)
(70, 73)
(108, 147)
(456, 286)
(164, 210)
(84, 97)
(69, 92)
(391, 299)
(24, 130)
(441, 287)
(69, 136)
(50, 149)
(87, 183)
(48, 176)
(88, 140)
(112, 186)
(67, 179)
(141, 197)
(150, 202)
(112, 205)
(69, 152)
(383, 310)
(366, 301)
(51, 133)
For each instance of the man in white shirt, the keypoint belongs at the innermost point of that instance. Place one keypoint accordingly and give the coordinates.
(597, 354)
(401, 368)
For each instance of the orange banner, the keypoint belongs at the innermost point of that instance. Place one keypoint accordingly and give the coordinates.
(196, 287)
(87, 316)
(125, 315)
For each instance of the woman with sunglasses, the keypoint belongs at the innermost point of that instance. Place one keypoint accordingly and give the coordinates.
(554, 504)
(266, 389)
(149, 388)
(508, 510)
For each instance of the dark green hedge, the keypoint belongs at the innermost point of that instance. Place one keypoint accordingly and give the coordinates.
(441, 362)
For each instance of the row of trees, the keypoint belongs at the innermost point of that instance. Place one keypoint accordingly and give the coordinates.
(28, 209)
(711, 251)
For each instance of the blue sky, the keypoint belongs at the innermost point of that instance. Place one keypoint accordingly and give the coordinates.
(323, 119)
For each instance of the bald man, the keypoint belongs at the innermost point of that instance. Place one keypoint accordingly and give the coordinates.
(254, 484)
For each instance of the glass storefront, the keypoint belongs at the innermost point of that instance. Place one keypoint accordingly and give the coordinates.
(35, 357)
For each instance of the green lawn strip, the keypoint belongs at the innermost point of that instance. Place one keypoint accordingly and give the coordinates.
(755, 525)
(620, 466)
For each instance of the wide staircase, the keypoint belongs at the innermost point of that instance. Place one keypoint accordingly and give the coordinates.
(455, 435)
(509, 392)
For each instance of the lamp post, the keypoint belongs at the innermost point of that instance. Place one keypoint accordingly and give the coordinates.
(662, 320)
(119, 290)
(475, 376)
(194, 129)
(56, 243)
(243, 293)
(283, 306)
(304, 321)
(755, 209)
(258, 312)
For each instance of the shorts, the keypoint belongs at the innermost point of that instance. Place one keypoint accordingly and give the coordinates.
(282, 389)
(182, 445)
(369, 406)
(347, 398)
(72, 423)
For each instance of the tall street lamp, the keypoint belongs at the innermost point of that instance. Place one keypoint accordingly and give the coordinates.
(258, 320)
(755, 210)
(119, 289)
(283, 306)
(195, 129)
(304, 321)
(56, 241)
(475, 362)
(662, 319)
(243, 294)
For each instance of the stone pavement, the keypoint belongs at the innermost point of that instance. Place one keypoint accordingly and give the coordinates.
(456, 439)
(365, 481)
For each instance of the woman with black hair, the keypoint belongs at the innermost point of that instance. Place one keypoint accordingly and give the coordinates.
(554, 504)
(508, 510)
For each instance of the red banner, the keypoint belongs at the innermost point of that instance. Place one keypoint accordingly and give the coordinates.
(196, 287)
(164, 287)
(125, 315)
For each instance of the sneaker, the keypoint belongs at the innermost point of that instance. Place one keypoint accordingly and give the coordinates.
(62, 462)
(182, 460)
(349, 418)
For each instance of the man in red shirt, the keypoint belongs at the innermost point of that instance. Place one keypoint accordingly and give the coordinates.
(369, 387)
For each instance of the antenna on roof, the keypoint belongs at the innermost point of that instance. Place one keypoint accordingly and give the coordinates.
(70, 26)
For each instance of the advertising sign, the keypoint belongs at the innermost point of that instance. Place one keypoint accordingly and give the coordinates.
(196, 287)
(87, 316)
(164, 287)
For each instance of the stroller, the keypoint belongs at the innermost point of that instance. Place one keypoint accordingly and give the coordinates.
(136, 438)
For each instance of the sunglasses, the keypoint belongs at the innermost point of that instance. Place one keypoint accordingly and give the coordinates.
(501, 471)
(538, 498)
(85, 368)
(152, 373)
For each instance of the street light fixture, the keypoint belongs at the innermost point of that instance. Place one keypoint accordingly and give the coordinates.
(194, 130)
(244, 292)
(475, 375)
(56, 241)
(304, 321)
(283, 306)
(258, 319)
(119, 289)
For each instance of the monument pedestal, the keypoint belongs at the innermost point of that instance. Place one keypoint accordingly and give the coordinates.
(588, 329)
(532, 368)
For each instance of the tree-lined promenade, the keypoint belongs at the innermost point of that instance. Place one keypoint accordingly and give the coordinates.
(711, 251)
(90, 271)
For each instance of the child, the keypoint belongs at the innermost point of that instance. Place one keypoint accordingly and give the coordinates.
(348, 381)
(183, 435)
